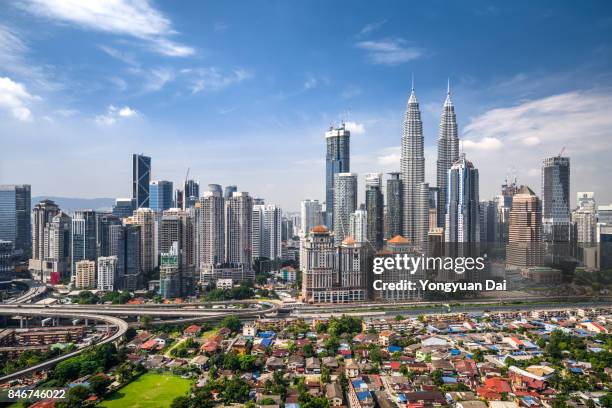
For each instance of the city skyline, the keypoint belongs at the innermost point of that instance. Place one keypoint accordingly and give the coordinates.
(511, 112)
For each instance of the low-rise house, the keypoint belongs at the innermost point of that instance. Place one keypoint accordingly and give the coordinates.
(192, 331)
(330, 362)
(313, 366)
(275, 363)
(334, 394)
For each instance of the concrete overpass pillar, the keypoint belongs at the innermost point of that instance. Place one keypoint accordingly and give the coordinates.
(21, 322)
(86, 322)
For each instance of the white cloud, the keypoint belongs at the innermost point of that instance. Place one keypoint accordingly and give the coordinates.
(213, 79)
(134, 18)
(355, 128)
(392, 51)
(517, 138)
(15, 98)
(114, 114)
(373, 26)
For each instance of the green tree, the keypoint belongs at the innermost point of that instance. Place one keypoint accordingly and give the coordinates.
(98, 384)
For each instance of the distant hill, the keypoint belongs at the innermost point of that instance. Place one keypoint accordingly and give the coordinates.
(69, 204)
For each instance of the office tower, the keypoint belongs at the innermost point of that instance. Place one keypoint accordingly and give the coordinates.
(412, 167)
(124, 207)
(160, 195)
(145, 218)
(141, 177)
(126, 244)
(448, 152)
(585, 218)
(272, 232)
(7, 261)
(296, 218)
(345, 203)
(504, 205)
(556, 199)
(191, 193)
(604, 239)
(433, 204)
(286, 229)
(337, 160)
(394, 206)
(239, 230)
(15, 218)
(229, 190)
(375, 209)
(311, 215)
(107, 270)
(178, 227)
(103, 229)
(57, 266)
(42, 214)
(169, 273)
(524, 231)
(398, 245)
(352, 268)
(488, 221)
(211, 228)
(462, 221)
(216, 188)
(84, 237)
(85, 275)
(358, 226)
(604, 214)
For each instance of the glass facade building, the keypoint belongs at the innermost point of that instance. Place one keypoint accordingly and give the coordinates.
(15, 218)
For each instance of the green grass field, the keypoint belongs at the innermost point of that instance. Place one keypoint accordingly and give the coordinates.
(150, 390)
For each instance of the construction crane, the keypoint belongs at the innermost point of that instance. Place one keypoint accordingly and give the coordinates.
(562, 151)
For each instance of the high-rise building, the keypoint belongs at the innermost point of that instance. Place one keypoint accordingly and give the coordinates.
(169, 273)
(524, 231)
(85, 275)
(504, 205)
(375, 209)
(15, 218)
(141, 177)
(584, 218)
(107, 270)
(337, 160)
(556, 199)
(267, 231)
(412, 167)
(398, 245)
(239, 229)
(178, 227)
(359, 225)
(160, 195)
(287, 229)
(604, 214)
(488, 221)
(145, 218)
(124, 207)
(311, 215)
(125, 244)
(448, 152)
(103, 230)
(191, 193)
(84, 237)
(42, 214)
(216, 188)
(434, 202)
(211, 228)
(462, 220)
(394, 206)
(57, 266)
(7, 261)
(229, 190)
(345, 203)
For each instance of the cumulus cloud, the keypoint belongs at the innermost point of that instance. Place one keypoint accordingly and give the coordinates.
(15, 99)
(355, 128)
(391, 51)
(519, 137)
(373, 26)
(114, 114)
(134, 18)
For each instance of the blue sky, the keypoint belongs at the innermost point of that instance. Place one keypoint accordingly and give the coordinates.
(243, 93)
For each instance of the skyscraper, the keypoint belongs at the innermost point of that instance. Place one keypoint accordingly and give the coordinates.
(488, 221)
(375, 209)
(345, 203)
(15, 220)
(337, 160)
(58, 259)
(103, 229)
(239, 229)
(191, 192)
(107, 270)
(267, 231)
(585, 218)
(145, 219)
(126, 246)
(394, 206)
(169, 272)
(448, 151)
(211, 228)
(42, 214)
(412, 167)
(524, 230)
(556, 199)
(124, 207)
(359, 225)
(177, 227)
(310, 215)
(160, 195)
(84, 237)
(141, 177)
(504, 205)
(229, 190)
(462, 220)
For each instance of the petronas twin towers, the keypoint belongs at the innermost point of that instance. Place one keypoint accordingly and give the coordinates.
(416, 192)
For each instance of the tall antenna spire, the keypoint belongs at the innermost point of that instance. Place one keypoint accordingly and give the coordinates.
(412, 81)
(448, 87)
